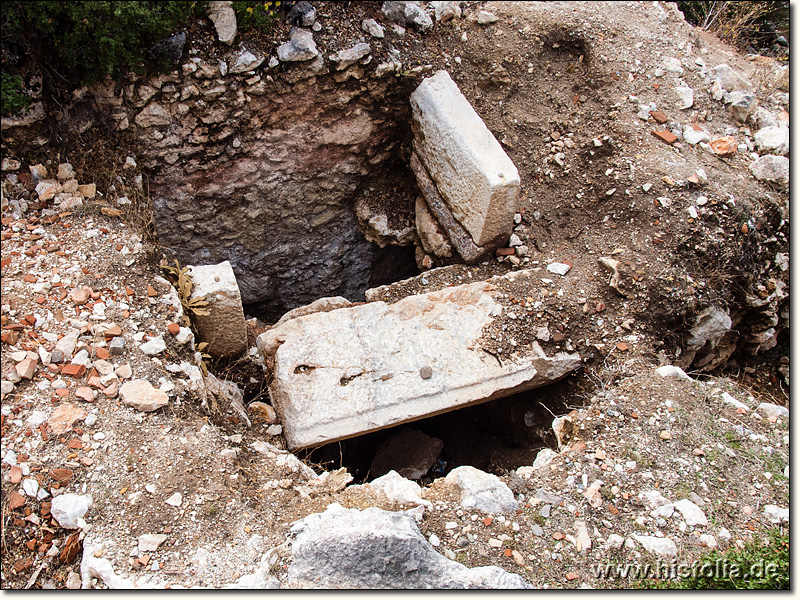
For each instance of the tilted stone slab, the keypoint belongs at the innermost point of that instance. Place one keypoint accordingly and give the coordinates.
(459, 237)
(472, 172)
(224, 328)
(354, 370)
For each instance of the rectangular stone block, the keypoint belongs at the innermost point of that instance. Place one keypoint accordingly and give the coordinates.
(350, 371)
(223, 326)
(471, 170)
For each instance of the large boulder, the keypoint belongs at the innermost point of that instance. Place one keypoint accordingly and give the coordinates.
(350, 371)
(471, 170)
(377, 549)
(224, 327)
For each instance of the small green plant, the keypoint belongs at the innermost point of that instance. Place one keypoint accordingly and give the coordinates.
(757, 566)
(86, 41)
(210, 509)
(179, 278)
(13, 98)
(256, 15)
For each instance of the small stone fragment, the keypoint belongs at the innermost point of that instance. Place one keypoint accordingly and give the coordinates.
(665, 136)
(487, 18)
(175, 500)
(68, 509)
(141, 395)
(371, 27)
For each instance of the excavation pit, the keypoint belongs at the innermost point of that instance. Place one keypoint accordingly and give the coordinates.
(495, 437)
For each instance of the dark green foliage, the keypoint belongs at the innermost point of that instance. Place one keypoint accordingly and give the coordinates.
(757, 566)
(256, 15)
(13, 98)
(84, 41)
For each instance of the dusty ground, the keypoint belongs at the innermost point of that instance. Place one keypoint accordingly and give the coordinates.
(544, 73)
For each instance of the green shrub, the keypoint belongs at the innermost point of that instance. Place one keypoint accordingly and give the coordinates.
(756, 566)
(256, 15)
(13, 98)
(82, 42)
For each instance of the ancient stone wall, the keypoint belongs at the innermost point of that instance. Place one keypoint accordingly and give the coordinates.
(262, 165)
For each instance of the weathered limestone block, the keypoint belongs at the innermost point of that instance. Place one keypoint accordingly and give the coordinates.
(460, 238)
(224, 19)
(472, 172)
(354, 370)
(153, 115)
(300, 47)
(224, 329)
(433, 239)
(376, 549)
(349, 56)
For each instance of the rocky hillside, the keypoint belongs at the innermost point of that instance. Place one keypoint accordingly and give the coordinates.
(648, 249)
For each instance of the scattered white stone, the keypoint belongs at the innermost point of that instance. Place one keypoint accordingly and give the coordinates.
(671, 371)
(693, 136)
(224, 18)
(141, 395)
(728, 399)
(301, 46)
(175, 500)
(672, 65)
(730, 80)
(665, 511)
(654, 498)
(372, 27)
(558, 268)
(771, 168)
(772, 140)
(149, 542)
(658, 546)
(685, 97)
(399, 489)
(69, 509)
(487, 18)
(773, 410)
(723, 535)
(155, 346)
(707, 540)
(543, 458)
(692, 514)
(100, 568)
(481, 491)
(776, 514)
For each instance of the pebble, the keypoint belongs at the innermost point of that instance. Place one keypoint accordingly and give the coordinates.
(69, 509)
(558, 268)
(776, 514)
(664, 547)
(692, 514)
(372, 27)
(487, 18)
(149, 542)
(153, 347)
(141, 395)
(175, 500)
